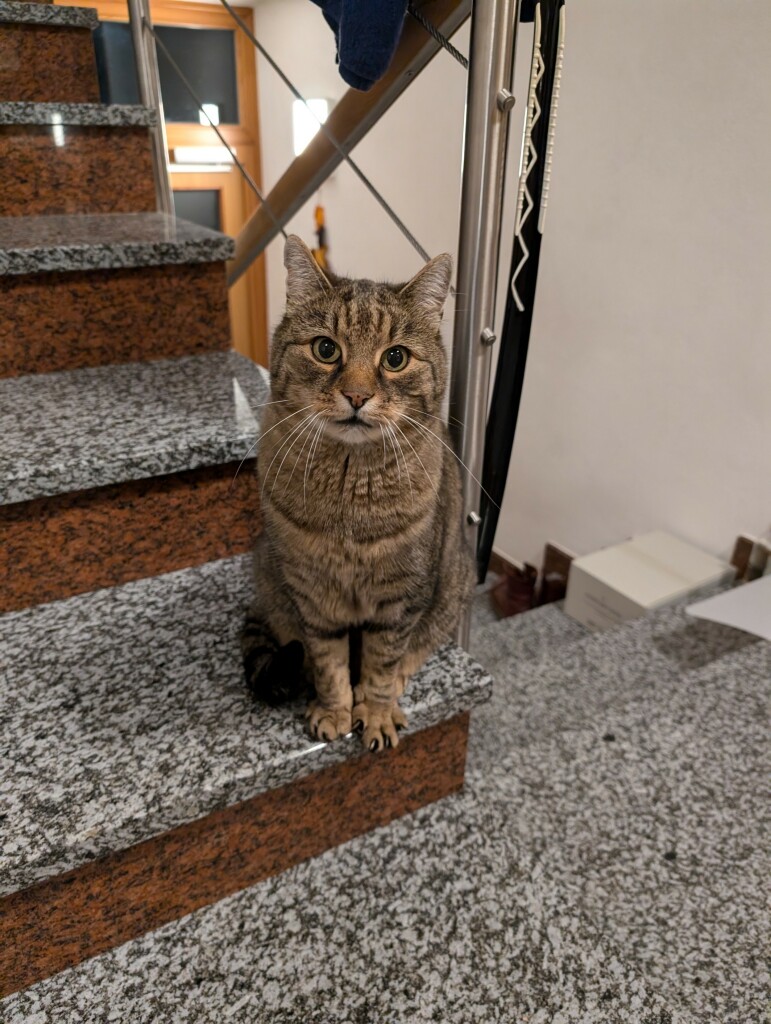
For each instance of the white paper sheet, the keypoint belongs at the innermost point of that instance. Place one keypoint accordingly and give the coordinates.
(746, 607)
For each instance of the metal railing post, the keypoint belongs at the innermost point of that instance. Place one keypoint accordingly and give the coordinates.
(149, 82)
(488, 103)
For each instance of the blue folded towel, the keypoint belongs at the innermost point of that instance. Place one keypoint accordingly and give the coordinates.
(367, 34)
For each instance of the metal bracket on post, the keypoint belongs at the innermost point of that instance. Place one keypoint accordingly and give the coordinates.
(488, 104)
(148, 79)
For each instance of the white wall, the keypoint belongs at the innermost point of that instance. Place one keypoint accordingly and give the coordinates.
(648, 393)
(412, 155)
(647, 400)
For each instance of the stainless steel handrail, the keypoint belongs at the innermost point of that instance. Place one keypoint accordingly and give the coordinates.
(149, 82)
(489, 102)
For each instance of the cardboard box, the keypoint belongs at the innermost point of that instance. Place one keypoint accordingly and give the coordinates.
(628, 580)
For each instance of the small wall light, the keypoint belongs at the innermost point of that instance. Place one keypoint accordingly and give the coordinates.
(213, 110)
(305, 122)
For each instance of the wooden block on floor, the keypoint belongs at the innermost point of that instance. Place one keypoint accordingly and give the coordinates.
(65, 920)
(68, 544)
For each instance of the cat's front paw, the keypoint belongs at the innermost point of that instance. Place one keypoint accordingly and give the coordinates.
(327, 723)
(378, 724)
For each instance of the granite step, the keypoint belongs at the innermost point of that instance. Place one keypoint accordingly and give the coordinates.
(63, 158)
(89, 290)
(558, 677)
(439, 917)
(47, 53)
(126, 471)
(144, 783)
(633, 763)
(14, 12)
(565, 832)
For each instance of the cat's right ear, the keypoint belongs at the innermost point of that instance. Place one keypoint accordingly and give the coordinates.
(304, 277)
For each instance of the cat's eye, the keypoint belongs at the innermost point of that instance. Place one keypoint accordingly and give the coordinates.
(395, 358)
(325, 350)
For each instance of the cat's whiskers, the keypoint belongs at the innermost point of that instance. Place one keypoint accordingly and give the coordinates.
(390, 429)
(279, 449)
(308, 436)
(393, 446)
(309, 459)
(428, 477)
(280, 401)
(441, 419)
(295, 434)
(423, 427)
(260, 437)
(382, 434)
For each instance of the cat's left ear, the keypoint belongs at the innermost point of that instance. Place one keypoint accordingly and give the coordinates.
(428, 288)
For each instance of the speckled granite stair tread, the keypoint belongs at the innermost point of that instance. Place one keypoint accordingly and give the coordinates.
(30, 245)
(634, 762)
(127, 715)
(47, 14)
(442, 916)
(84, 115)
(80, 429)
(561, 681)
(494, 899)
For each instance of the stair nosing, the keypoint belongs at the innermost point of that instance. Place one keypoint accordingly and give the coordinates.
(17, 13)
(197, 411)
(269, 748)
(82, 115)
(205, 246)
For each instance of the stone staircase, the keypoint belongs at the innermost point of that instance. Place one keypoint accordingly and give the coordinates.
(604, 864)
(137, 780)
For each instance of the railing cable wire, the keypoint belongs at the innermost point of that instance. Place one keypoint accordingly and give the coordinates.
(246, 175)
(340, 148)
(432, 30)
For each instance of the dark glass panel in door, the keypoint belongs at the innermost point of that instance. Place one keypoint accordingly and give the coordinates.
(206, 56)
(200, 205)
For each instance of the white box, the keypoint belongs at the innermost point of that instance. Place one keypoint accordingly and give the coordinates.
(628, 580)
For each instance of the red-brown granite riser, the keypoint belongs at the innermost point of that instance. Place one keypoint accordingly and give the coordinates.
(65, 920)
(68, 544)
(66, 321)
(46, 64)
(94, 170)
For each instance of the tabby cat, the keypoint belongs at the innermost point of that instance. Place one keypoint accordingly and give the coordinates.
(361, 499)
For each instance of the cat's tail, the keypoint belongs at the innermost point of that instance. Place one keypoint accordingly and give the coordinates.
(274, 674)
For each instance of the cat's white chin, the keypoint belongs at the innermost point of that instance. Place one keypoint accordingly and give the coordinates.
(352, 432)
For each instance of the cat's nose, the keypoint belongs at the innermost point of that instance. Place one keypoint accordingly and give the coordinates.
(357, 398)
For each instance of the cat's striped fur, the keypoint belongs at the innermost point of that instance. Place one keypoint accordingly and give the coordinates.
(361, 518)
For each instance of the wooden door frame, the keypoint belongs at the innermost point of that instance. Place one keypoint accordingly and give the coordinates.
(224, 183)
(243, 137)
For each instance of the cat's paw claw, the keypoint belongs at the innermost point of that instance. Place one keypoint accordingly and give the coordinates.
(327, 723)
(378, 725)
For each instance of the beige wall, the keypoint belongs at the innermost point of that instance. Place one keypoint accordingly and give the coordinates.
(648, 394)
